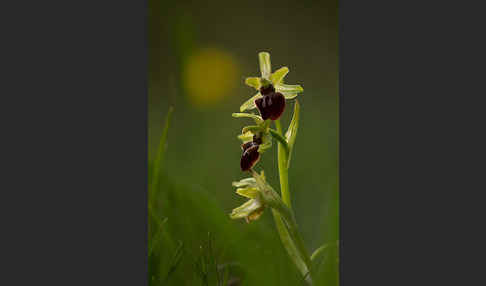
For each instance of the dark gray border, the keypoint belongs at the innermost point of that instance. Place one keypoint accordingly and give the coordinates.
(76, 111)
(409, 123)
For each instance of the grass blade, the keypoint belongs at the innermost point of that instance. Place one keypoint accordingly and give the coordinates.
(161, 150)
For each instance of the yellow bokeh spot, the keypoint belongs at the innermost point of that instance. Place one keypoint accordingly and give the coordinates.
(209, 76)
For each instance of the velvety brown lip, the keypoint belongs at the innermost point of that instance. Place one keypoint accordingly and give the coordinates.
(250, 157)
(271, 105)
(246, 145)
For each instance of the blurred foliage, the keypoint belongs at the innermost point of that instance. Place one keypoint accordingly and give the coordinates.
(192, 195)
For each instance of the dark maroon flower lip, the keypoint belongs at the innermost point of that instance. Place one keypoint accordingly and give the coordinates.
(246, 145)
(269, 89)
(250, 156)
(271, 105)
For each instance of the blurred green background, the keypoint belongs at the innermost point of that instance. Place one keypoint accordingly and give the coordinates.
(199, 55)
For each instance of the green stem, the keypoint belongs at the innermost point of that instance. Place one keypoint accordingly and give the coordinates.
(282, 169)
(287, 213)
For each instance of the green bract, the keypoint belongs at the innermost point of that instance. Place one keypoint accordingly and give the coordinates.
(276, 79)
(291, 133)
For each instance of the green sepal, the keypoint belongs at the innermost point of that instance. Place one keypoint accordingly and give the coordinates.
(253, 82)
(258, 119)
(265, 64)
(250, 103)
(251, 193)
(247, 209)
(247, 182)
(289, 91)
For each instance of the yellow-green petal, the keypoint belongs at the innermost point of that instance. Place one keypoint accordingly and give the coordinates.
(253, 82)
(278, 75)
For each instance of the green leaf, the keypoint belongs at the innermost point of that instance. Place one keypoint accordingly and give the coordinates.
(265, 65)
(318, 256)
(253, 82)
(278, 75)
(291, 133)
(250, 103)
(286, 225)
(258, 119)
(289, 244)
(288, 90)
